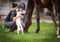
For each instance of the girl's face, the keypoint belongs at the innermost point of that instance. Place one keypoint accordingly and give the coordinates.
(19, 9)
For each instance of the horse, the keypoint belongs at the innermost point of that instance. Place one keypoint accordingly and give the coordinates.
(38, 4)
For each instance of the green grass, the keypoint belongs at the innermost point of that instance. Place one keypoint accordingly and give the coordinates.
(47, 34)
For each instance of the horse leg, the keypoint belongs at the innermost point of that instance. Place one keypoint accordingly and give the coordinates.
(38, 17)
(53, 16)
(38, 22)
(59, 22)
(28, 15)
(27, 24)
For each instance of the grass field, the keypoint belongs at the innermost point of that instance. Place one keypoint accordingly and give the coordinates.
(46, 34)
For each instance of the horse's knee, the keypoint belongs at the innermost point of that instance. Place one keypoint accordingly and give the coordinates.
(28, 24)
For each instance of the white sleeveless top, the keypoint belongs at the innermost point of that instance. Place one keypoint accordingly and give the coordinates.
(20, 13)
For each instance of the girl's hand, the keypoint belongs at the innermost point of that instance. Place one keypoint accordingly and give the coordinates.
(14, 18)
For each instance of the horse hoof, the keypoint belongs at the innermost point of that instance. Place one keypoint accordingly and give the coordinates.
(37, 32)
(25, 31)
